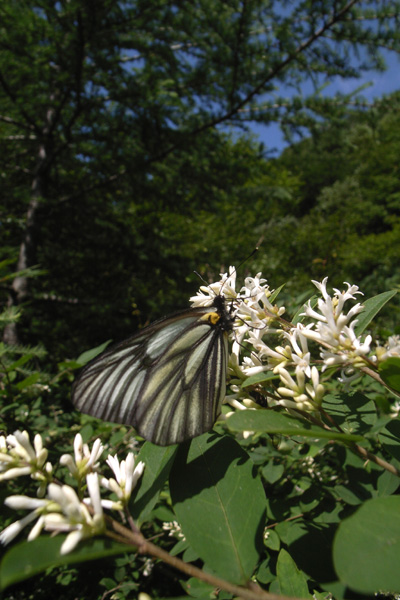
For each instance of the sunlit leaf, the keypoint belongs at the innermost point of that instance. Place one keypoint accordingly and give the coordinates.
(158, 461)
(292, 582)
(220, 504)
(88, 355)
(389, 370)
(268, 421)
(366, 549)
(30, 558)
(371, 308)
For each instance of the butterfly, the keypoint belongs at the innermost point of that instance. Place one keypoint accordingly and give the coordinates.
(168, 381)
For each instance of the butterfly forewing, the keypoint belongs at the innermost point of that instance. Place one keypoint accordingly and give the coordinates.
(182, 394)
(168, 381)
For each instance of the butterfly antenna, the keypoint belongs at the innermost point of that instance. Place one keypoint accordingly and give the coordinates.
(247, 258)
(235, 270)
(200, 277)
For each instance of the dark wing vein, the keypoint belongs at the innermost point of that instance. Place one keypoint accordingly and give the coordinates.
(181, 400)
(168, 381)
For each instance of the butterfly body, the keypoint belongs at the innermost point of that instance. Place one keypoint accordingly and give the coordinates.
(168, 381)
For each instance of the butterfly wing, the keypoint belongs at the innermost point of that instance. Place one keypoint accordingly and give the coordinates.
(168, 381)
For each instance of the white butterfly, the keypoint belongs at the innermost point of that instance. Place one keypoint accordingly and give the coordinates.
(168, 381)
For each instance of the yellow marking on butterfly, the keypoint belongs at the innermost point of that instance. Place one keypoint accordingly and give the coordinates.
(211, 317)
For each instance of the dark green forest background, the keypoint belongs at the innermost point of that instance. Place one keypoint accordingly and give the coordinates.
(119, 178)
(128, 162)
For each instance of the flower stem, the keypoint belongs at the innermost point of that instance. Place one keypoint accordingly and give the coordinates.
(378, 378)
(366, 454)
(362, 452)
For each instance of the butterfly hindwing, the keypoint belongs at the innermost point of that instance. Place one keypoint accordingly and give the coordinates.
(168, 381)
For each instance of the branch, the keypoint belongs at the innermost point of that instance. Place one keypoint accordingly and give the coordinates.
(360, 450)
(236, 59)
(378, 378)
(13, 98)
(16, 123)
(228, 115)
(367, 455)
(281, 66)
(272, 73)
(124, 535)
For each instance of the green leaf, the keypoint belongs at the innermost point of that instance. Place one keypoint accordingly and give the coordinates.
(272, 540)
(272, 472)
(69, 364)
(268, 421)
(387, 483)
(264, 573)
(366, 550)
(28, 381)
(389, 370)
(88, 355)
(354, 412)
(390, 438)
(361, 480)
(309, 544)
(371, 308)
(258, 378)
(19, 363)
(30, 558)
(180, 546)
(220, 504)
(158, 462)
(276, 293)
(292, 582)
(197, 589)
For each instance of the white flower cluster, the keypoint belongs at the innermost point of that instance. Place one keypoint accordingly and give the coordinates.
(333, 329)
(390, 349)
(63, 509)
(257, 319)
(18, 457)
(174, 529)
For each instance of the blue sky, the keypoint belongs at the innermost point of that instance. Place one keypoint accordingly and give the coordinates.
(381, 84)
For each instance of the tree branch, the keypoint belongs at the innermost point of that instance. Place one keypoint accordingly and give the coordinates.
(125, 535)
(272, 73)
(16, 123)
(13, 98)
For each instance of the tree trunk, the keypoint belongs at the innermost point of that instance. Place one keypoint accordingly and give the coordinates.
(28, 250)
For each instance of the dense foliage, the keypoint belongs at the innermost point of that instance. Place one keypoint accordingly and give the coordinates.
(127, 164)
(117, 179)
(348, 209)
(287, 501)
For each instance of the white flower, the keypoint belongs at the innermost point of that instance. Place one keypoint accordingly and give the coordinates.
(300, 354)
(334, 330)
(126, 477)
(18, 457)
(234, 402)
(300, 393)
(148, 567)
(18, 503)
(395, 409)
(253, 364)
(390, 349)
(331, 319)
(61, 511)
(224, 287)
(174, 529)
(84, 460)
(348, 375)
(255, 310)
(75, 518)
